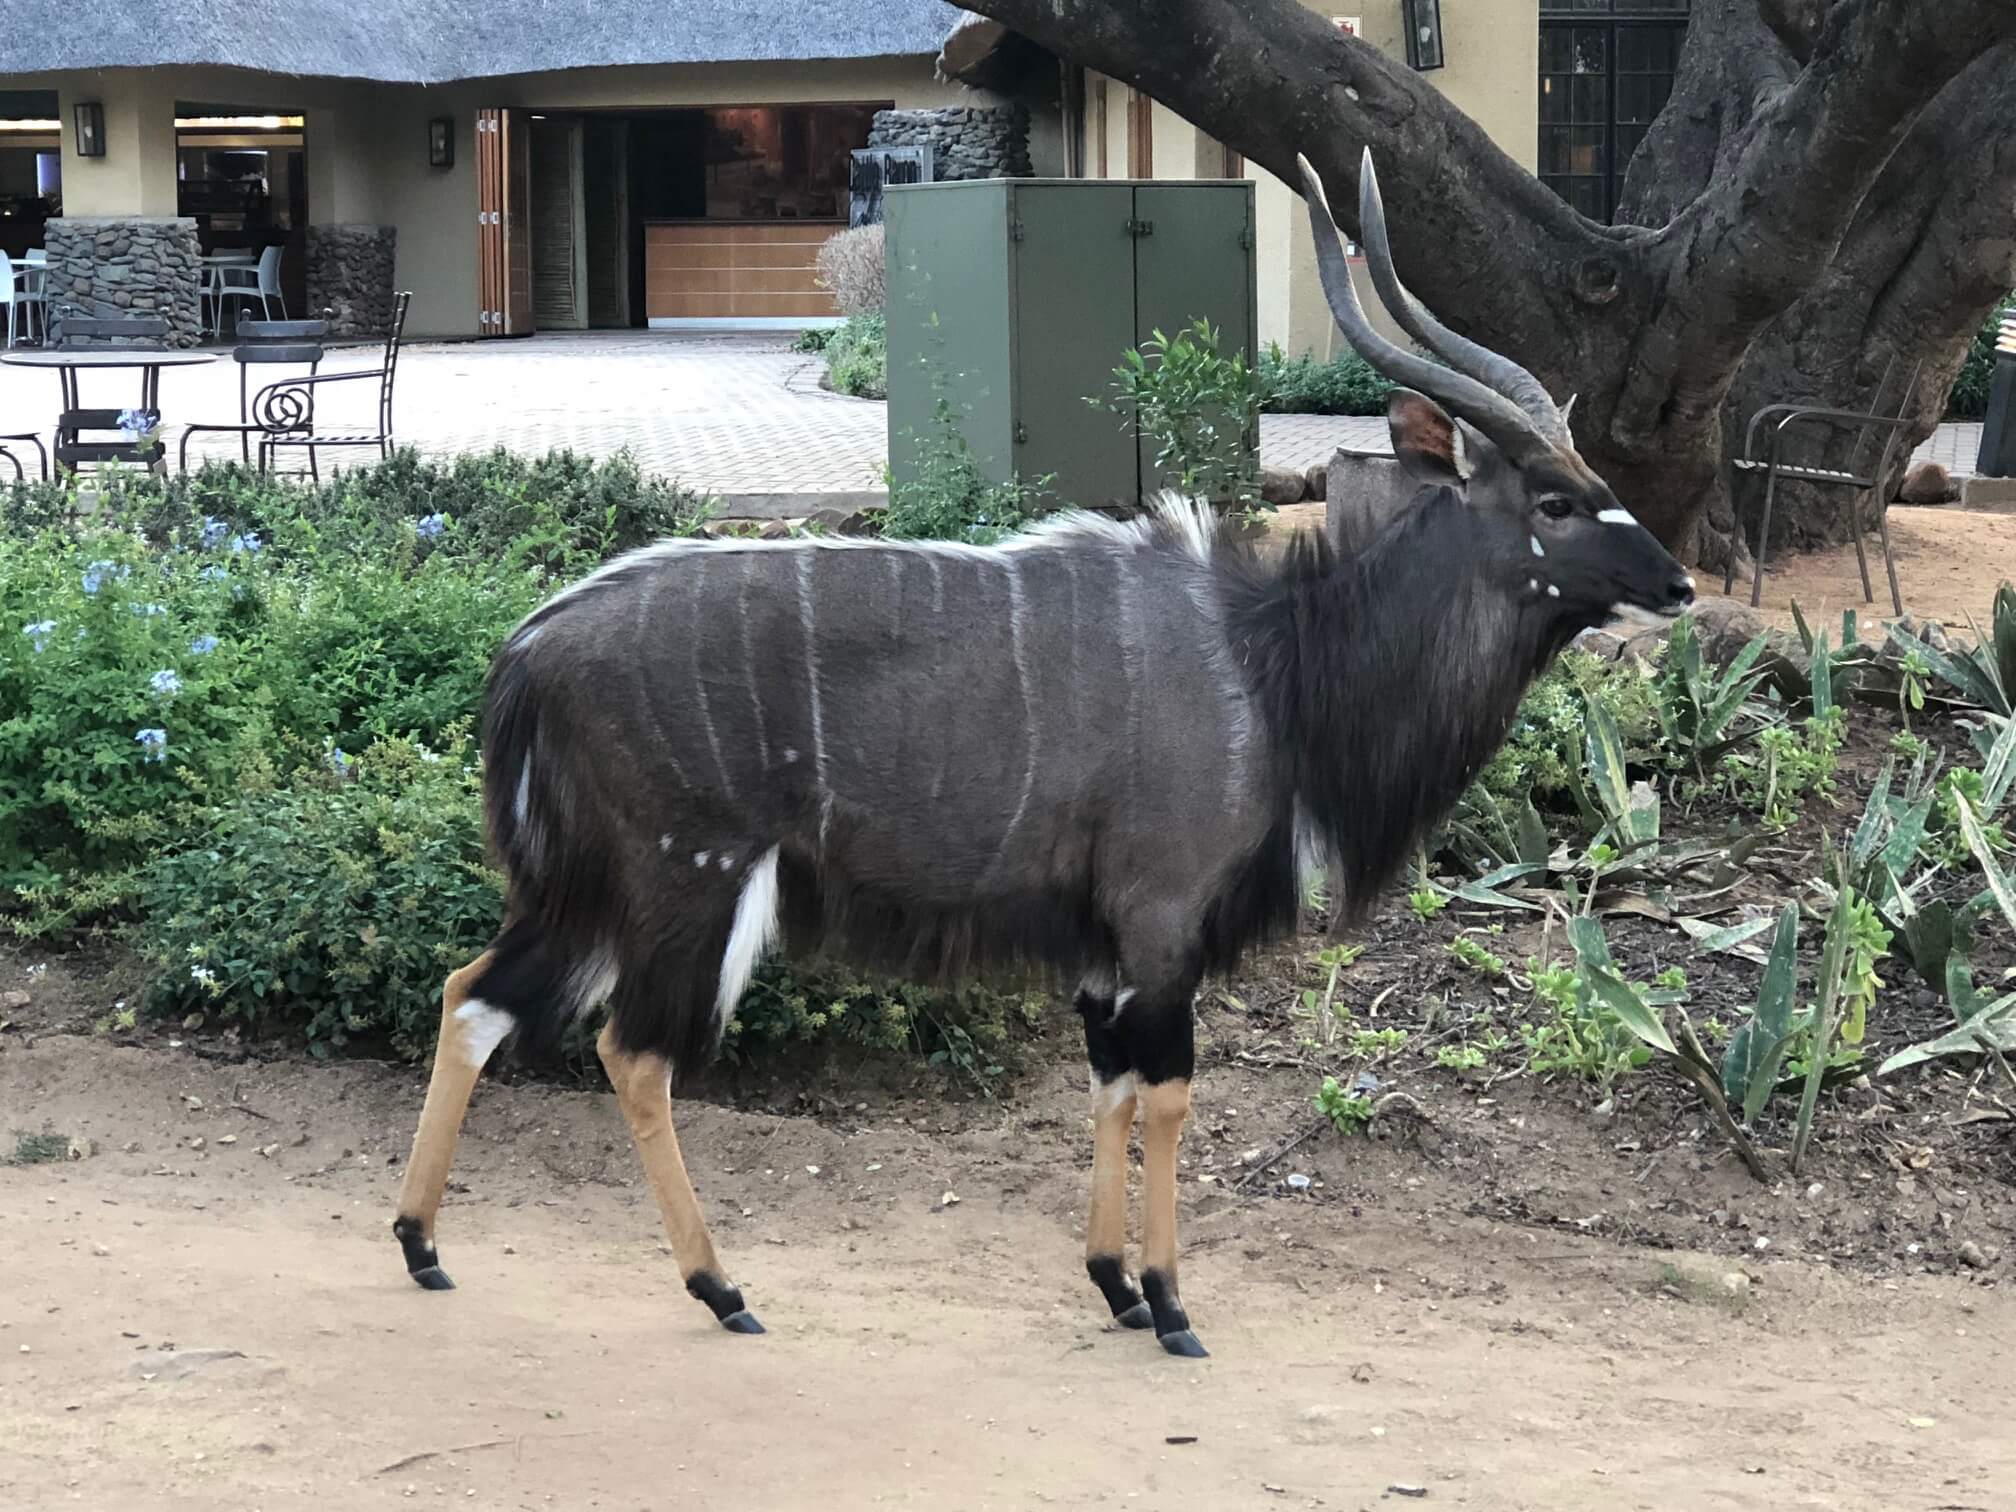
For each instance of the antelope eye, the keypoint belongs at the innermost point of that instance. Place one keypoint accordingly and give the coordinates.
(1557, 506)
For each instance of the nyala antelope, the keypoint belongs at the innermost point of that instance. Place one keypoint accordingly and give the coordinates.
(1100, 749)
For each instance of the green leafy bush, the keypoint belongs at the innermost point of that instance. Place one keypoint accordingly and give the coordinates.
(857, 357)
(1198, 407)
(1306, 385)
(331, 902)
(1969, 399)
(947, 497)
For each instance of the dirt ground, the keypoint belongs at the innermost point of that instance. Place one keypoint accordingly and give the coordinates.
(1501, 1305)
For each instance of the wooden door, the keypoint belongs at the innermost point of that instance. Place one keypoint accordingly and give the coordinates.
(504, 224)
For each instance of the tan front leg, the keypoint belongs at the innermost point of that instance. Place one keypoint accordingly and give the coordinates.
(1164, 1107)
(470, 1030)
(643, 1086)
(1106, 1223)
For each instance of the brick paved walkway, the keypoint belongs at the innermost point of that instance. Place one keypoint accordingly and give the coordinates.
(731, 414)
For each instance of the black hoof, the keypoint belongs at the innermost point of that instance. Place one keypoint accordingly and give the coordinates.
(1184, 1343)
(743, 1322)
(432, 1278)
(1140, 1315)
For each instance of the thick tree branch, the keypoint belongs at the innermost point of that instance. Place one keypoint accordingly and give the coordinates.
(1477, 237)
(1766, 229)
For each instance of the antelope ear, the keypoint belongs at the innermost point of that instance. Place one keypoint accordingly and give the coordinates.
(1425, 440)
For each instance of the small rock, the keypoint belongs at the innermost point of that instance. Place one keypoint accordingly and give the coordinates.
(1402, 1488)
(196, 1141)
(227, 1139)
(79, 1148)
(1736, 1284)
(193, 1101)
(774, 530)
(1279, 486)
(1927, 483)
(11, 1000)
(1813, 1192)
(100, 1251)
(950, 1199)
(1317, 482)
(1972, 1254)
(269, 1150)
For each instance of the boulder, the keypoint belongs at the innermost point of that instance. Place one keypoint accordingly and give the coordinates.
(1928, 483)
(1366, 492)
(1278, 486)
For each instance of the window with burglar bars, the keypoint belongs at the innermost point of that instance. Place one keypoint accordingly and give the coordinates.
(1606, 70)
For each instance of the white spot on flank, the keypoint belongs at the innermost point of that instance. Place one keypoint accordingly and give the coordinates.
(1616, 517)
(483, 1030)
(1552, 591)
(1534, 542)
(753, 933)
(1534, 584)
(726, 863)
(700, 857)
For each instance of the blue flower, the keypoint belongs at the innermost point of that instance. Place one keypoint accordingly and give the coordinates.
(153, 744)
(246, 542)
(214, 531)
(165, 683)
(138, 423)
(98, 573)
(203, 645)
(337, 761)
(38, 633)
(213, 574)
(148, 611)
(431, 526)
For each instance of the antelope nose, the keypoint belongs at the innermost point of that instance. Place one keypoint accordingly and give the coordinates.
(1679, 592)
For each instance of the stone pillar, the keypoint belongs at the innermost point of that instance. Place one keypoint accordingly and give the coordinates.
(124, 265)
(350, 271)
(977, 142)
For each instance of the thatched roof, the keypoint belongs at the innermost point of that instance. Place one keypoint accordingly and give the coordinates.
(413, 42)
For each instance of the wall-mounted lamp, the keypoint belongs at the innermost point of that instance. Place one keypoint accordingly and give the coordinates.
(88, 117)
(441, 142)
(1423, 22)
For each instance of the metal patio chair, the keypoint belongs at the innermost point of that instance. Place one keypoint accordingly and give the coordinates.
(1771, 464)
(298, 397)
(71, 329)
(281, 410)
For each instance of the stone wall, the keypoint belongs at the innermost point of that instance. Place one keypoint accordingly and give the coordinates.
(350, 272)
(966, 142)
(123, 266)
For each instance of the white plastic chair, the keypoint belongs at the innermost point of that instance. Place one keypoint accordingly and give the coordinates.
(19, 302)
(260, 281)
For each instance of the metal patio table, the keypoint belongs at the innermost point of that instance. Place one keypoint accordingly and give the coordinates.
(68, 364)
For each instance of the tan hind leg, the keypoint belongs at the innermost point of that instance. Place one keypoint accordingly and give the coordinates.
(1164, 1107)
(470, 1030)
(643, 1086)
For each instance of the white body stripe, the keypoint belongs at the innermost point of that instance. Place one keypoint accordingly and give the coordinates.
(483, 1030)
(812, 673)
(752, 934)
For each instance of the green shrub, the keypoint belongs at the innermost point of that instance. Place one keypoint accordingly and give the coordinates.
(331, 903)
(948, 498)
(1197, 407)
(857, 357)
(1306, 385)
(812, 339)
(1969, 399)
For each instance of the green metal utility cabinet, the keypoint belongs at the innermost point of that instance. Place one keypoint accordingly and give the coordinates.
(1014, 299)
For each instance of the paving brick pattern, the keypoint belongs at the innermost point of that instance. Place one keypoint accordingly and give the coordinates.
(730, 414)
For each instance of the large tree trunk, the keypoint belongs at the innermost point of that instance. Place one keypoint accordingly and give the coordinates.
(1827, 195)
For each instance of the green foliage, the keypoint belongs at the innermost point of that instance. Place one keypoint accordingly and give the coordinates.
(1369, 1042)
(1969, 399)
(1471, 1055)
(1983, 674)
(1426, 903)
(813, 339)
(857, 357)
(332, 901)
(1347, 1113)
(948, 498)
(1705, 711)
(1322, 1016)
(1597, 1025)
(1197, 407)
(1790, 765)
(1477, 958)
(1305, 385)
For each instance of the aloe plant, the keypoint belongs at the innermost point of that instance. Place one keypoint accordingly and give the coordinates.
(1700, 706)
(1758, 1047)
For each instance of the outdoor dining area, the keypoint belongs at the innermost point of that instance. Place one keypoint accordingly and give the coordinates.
(282, 412)
(235, 282)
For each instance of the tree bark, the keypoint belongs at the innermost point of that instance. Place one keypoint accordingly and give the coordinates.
(1827, 191)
